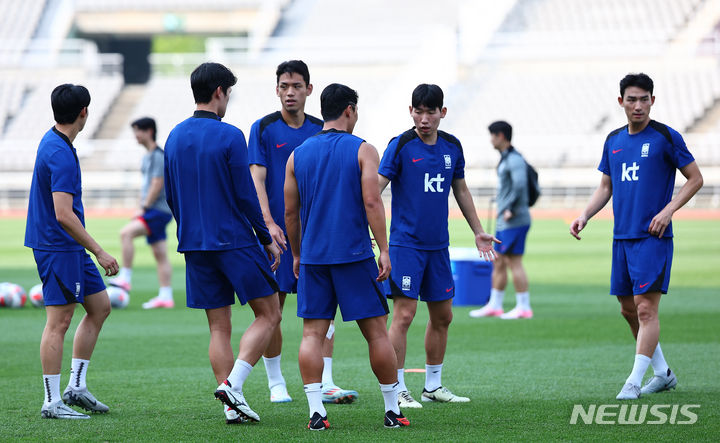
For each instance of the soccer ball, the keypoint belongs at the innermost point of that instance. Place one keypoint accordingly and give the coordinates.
(119, 298)
(36, 296)
(12, 295)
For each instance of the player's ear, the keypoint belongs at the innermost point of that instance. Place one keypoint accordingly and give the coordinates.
(443, 112)
(410, 109)
(620, 101)
(309, 89)
(218, 92)
(652, 100)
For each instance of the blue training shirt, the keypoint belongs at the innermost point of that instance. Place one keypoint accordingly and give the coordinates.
(57, 169)
(270, 144)
(642, 169)
(209, 188)
(421, 177)
(332, 213)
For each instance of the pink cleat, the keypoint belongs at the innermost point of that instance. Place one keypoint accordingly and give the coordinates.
(486, 311)
(157, 302)
(517, 313)
(116, 281)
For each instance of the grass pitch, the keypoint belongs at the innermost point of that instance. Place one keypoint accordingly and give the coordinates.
(524, 377)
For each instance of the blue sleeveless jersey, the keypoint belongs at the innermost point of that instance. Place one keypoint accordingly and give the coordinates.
(642, 170)
(332, 213)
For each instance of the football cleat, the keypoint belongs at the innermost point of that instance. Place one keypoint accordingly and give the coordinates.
(517, 313)
(62, 411)
(236, 400)
(157, 302)
(116, 281)
(405, 400)
(318, 422)
(442, 395)
(393, 420)
(232, 417)
(333, 394)
(84, 399)
(486, 311)
(660, 383)
(629, 392)
(279, 394)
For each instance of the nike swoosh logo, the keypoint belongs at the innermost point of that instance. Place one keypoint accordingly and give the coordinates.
(448, 290)
(280, 145)
(643, 285)
(415, 160)
(615, 151)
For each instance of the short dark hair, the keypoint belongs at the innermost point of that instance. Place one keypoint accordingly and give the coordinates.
(144, 124)
(293, 67)
(427, 95)
(206, 78)
(334, 99)
(67, 101)
(640, 80)
(501, 127)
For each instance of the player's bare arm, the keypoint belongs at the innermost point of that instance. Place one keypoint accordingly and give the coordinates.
(598, 201)
(292, 212)
(156, 185)
(62, 202)
(369, 162)
(259, 174)
(693, 184)
(483, 240)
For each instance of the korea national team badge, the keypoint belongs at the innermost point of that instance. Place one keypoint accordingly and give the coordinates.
(645, 150)
(448, 162)
(406, 283)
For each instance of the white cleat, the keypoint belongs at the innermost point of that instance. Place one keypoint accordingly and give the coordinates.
(232, 417)
(405, 400)
(517, 313)
(236, 400)
(442, 395)
(486, 311)
(62, 411)
(629, 392)
(279, 394)
(157, 302)
(84, 399)
(660, 383)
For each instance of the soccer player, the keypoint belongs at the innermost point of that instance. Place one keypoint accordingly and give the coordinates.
(151, 219)
(272, 139)
(638, 171)
(212, 197)
(421, 162)
(56, 233)
(331, 195)
(513, 224)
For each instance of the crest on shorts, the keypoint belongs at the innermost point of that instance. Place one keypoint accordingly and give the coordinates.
(406, 283)
(77, 289)
(448, 161)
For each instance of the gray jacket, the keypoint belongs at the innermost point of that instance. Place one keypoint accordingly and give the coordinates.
(512, 190)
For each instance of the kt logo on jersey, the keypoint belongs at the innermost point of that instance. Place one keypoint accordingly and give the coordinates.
(434, 184)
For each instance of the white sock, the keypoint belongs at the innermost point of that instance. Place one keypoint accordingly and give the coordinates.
(78, 371)
(401, 380)
(390, 395)
(313, 392)
(239, 374)
(496, 298)
(639, 368)
(433, 377)
(327, 378)
(523, 300)
(125, 274)
(274, 373)
(51, 386)
(659, 365)
(165, 293)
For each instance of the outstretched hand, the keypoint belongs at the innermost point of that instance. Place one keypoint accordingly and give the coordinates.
(484, 243)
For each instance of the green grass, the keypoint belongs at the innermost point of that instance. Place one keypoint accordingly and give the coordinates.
(524, 377)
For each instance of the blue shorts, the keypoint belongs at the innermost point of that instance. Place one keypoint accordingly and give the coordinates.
(641, 265)
(513, 240)
(67, 276)
(284, 274)
(352, 286)
(420, 274)
(213, 277)
(155, 222)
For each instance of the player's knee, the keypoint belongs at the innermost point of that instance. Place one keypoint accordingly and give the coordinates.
(60, 324)
(403, 318)
(629, 313)
(646, 313)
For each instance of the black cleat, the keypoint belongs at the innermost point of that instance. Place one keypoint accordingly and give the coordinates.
(318, 422)
(393, 420)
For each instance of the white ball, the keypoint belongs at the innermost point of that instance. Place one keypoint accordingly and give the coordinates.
(119, 298)
(12, 295)
(36, 296)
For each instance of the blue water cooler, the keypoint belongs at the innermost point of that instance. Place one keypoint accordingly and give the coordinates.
(472, 275)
